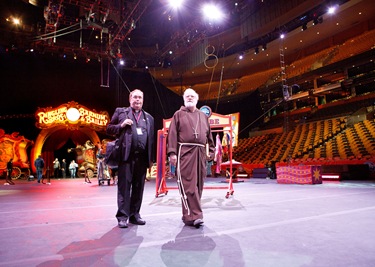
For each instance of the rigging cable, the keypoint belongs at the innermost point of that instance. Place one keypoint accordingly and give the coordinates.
(208, 55)
(278, 103)
(120, 76)
(156, 90)
(52, 34)
(221, 80)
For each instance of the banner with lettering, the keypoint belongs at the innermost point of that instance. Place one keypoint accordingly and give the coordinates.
(72, 115)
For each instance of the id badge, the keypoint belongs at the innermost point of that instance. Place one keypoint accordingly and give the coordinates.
(139, 131)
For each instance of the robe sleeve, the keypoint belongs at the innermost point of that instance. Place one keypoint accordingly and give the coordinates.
(172, 138)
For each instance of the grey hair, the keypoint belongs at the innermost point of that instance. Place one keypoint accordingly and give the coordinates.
(195, 93)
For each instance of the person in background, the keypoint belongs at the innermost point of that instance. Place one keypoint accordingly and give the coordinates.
(73, 168)
(63, 168)
(56, 168)
(100, 165)
(39, 165)
(188, 135)
(137, 128)
(10, 170)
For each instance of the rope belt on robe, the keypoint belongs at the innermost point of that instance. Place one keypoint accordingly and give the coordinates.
(179, 181)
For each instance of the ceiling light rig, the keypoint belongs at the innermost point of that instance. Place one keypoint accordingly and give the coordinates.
(212, 12)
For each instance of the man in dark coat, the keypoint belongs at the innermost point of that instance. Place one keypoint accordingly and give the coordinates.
(10, 170)
(188, 135)
(39, 165)
(63, 168)
(137, 128)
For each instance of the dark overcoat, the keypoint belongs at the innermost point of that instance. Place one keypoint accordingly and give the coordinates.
(114, 129)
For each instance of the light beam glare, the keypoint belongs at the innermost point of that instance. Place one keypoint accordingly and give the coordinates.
(212, 12)
(175, 4)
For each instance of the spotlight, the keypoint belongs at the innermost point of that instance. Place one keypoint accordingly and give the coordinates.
(304, 27)
(175, 3)
(256, 50)
(212, 12)
(240, 56)
(16, 21)
(282, 36)
(332, 9)
(264, 47)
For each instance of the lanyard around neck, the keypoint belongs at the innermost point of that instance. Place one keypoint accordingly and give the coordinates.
(139, 116)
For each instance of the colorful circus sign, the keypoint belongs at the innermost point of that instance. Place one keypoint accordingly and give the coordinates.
(72, 115)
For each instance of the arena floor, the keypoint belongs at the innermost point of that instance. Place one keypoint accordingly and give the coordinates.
(71, 223)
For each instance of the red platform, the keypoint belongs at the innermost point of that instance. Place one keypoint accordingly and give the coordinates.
(302, 174)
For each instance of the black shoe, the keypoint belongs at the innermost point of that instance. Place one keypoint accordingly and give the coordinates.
(197, 223)
(137, 221)
(122, 224)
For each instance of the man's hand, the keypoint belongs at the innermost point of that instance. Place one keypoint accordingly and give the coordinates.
(126, 122)
(173, 159)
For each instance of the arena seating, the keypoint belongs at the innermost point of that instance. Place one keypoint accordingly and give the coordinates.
(322, 141)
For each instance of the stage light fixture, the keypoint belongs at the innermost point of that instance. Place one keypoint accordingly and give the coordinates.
(240, 56)
(264, 47)
(332, 10)
(212, 12)
(304, 27)
(175, 3)
(256, 50)
(282, 36)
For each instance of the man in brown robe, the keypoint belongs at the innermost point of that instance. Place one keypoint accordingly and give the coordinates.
(188, 135)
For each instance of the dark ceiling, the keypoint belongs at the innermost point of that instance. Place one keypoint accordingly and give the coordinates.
(144, 31)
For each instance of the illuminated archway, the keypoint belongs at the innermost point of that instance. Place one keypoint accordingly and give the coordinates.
(67, 117)
(46, 133)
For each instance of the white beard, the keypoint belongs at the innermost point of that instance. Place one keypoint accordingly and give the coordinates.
(191, 104)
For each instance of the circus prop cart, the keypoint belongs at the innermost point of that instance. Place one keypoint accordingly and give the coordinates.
(13, 146)
(86, 159)
(89, 160)
(218, 123)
